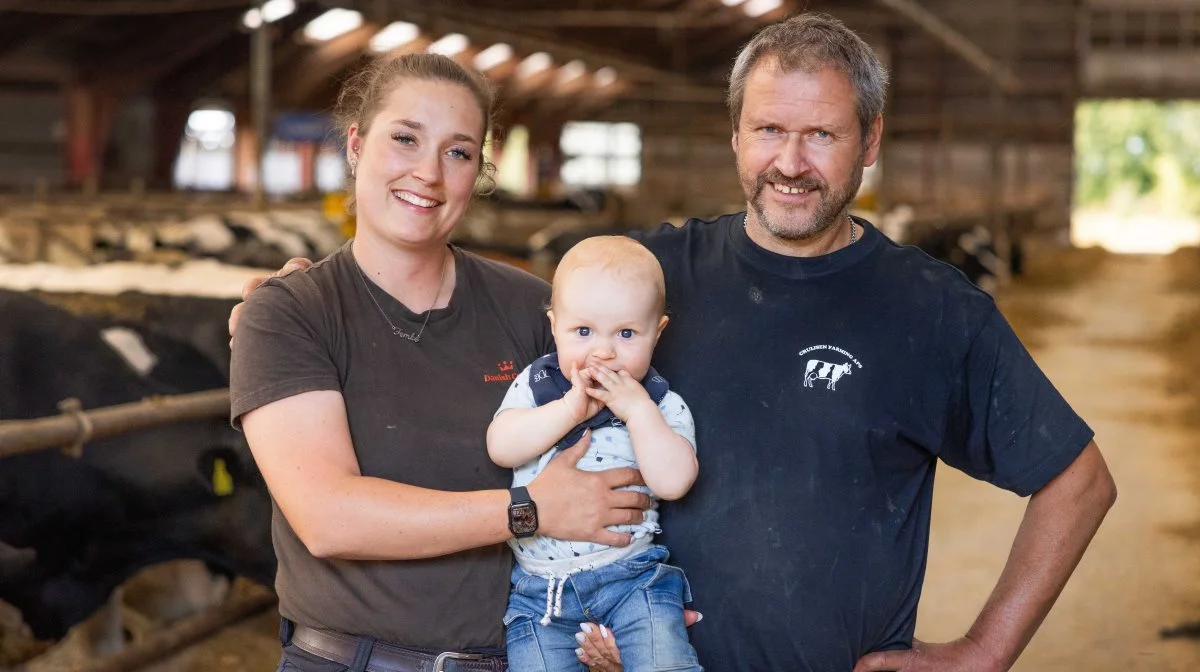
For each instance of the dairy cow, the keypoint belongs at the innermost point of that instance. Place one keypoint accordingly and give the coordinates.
(830, 373)
(967, 245)
(72, 530)
(261, 239)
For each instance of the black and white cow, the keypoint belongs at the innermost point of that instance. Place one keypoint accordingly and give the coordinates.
(970, 249)
(826, 371)
(241, 238)
(965, 244)
(72, 530)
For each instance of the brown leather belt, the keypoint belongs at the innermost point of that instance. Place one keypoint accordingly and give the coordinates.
(341, 648)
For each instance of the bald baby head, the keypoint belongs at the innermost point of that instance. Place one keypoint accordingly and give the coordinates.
(620, 256)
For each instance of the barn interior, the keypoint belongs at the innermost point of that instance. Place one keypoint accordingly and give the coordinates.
(156, 154)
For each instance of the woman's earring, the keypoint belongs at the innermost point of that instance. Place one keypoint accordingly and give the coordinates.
(353, 167)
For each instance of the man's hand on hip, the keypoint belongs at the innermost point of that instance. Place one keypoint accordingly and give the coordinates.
(961, 655)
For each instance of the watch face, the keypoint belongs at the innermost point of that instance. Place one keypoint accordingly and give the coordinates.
(522, 519)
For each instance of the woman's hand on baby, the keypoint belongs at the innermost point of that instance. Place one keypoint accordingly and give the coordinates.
(581, 405)
(598, 648)
(579, 505)
(598, 645)
(620, 392)
(294, 264)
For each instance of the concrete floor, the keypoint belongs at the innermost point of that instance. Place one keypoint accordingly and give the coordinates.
(1142, 572)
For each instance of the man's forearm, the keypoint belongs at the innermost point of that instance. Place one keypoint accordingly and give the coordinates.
(1059, 523)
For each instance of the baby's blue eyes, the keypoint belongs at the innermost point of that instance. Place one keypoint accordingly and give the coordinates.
(587, 331)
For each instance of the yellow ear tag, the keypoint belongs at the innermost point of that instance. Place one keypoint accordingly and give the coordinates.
(222, 481)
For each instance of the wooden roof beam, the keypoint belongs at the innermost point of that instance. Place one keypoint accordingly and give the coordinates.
(288, 47)
(616, 18)
(956, 42)
(490, 26)
(703, 95)
(138, 69)
(323, 61)
(18, 31)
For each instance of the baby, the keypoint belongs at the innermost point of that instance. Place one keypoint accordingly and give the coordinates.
(607, 311)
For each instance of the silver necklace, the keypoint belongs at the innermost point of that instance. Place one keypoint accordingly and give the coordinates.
(853, 236)
(397, 331)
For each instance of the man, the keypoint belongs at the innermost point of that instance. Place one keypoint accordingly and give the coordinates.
(828, 370)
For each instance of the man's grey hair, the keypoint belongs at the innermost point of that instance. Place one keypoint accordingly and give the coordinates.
(809, 43)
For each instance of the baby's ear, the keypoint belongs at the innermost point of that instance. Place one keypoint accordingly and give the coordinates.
(550, 316)
(662, 324)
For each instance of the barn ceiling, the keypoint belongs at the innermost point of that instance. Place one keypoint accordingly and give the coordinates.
(1009, 64)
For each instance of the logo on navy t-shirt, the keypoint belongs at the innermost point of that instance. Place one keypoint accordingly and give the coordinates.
(830, 367)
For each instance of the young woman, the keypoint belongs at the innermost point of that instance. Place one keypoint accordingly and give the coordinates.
(365, 383)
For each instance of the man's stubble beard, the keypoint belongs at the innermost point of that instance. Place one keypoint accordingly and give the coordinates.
(833, 207)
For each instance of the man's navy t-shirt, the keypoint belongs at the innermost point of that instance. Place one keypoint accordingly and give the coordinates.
(824, 391)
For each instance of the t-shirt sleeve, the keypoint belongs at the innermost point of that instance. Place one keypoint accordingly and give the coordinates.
(519, 394)
(1008, 425)
(678, 417)
(277, 352)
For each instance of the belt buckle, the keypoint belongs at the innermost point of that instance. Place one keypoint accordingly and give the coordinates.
(439, 663)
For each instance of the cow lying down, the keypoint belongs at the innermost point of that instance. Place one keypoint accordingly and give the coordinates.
(72, 530)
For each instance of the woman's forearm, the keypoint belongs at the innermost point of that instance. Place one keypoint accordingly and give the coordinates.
(302, 447)
(364, 518)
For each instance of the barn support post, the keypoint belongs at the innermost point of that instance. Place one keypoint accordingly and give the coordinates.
(999, 199)
(998, 212)
(946, 197)
(260, 96)
(78, 426)
(90, 111)
(170, 120)
(884, 198)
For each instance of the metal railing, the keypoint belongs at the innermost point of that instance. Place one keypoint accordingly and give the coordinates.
(76, 426)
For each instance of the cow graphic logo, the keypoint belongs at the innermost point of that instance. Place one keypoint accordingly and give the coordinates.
(825, 370)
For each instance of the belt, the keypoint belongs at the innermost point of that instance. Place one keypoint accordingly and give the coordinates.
(341, 647)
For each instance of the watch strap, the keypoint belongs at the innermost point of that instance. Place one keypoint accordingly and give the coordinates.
(519, 494)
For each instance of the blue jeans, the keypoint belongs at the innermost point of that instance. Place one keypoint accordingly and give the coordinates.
(640, 599)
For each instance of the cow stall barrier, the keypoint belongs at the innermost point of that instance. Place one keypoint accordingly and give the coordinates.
(76, 426)
(187, 632)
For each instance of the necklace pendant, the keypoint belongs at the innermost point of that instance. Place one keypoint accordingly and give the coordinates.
(415, 338)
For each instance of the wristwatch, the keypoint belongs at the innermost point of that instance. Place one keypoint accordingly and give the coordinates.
(522, 513)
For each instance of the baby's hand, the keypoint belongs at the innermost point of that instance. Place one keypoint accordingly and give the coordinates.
(580, 405)
(623, 395)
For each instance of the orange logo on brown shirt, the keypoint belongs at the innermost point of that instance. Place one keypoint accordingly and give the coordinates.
(505, 372)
